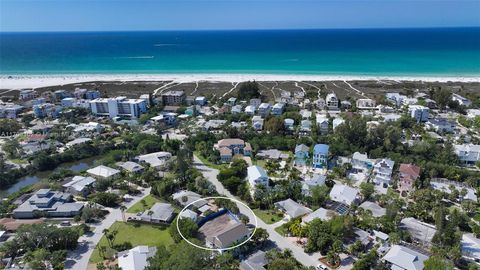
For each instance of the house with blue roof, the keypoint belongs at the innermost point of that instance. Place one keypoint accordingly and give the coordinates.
(320, 156)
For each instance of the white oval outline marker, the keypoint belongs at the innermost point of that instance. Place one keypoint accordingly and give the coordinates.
(217, 249)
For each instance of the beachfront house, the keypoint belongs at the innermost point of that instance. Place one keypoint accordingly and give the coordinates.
(320, 156)
(365, 103)
(173, 98)
(461, 100)
(332, 101)
(118, 107)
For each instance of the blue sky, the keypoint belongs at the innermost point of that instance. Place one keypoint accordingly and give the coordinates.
(112, 15)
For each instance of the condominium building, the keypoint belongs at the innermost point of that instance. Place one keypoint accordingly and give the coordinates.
(173, 98)
(119, 106)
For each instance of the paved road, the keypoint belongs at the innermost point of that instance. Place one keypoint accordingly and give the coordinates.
(280, 241)
(78, 258)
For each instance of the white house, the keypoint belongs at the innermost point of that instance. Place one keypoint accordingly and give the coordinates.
(104, 172)
(156, 160)
(79, 185)
(257, 122)
(395, 98)
(332, 101)
(468, 153)
(136, 258)
(403, 258)
(365, 103)
(420, 113)
(336, 122)
(440, 125)
(250, 110)
(382, 171)
(257, 176)
(344, 194)
(461, 100)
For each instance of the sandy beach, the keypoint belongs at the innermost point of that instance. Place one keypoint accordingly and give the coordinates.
(35, 81)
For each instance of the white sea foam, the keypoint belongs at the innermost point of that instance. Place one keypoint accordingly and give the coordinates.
(33, 81)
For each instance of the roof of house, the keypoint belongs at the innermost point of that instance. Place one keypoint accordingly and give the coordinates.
(155, 159)
(224, 151)
(187, 213)
(255, 172)
(405, 258)
(161, 211)
(320, 213)
(376, 210)
(80, 182)
(136, 258)
(228, 142)
(320, 148)
(292, 208)
(223, 230)
(103, 171)
(470, 245)
(130, 166)
(256, 261)
(410, 169)
(302, 148)
(190, 198)
(421, 231)
(343, 194)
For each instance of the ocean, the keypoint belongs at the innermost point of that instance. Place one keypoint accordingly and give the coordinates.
(371, 52)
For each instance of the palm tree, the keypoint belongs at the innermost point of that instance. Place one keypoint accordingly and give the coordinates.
(122, 209)
(101, 251)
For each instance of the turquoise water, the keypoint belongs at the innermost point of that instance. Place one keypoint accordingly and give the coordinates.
(454, 51)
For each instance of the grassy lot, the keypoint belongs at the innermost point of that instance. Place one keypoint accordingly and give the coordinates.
(150, 200)
(268, 216)
(282, 230)
(208, 163)
(19, 161)
(143, 234)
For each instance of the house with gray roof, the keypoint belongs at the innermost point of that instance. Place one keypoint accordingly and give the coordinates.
(403, 258)
(186, 197)
(377, 210)
(292, 209)
(223, 231)
(48, 203)
(104, 172)
(320, 213)
(420, 231)
(315, 180)
(160, 213)
(80, 185)
(130, 166)
(156, 160)
(257, 261)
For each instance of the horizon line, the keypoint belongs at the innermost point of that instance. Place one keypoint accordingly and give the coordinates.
(243, 29)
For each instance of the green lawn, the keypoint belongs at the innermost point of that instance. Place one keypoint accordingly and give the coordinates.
(208, 163)
(268, 216)
(282, 230)
(19, 161)
(143, 234)
(150, 200)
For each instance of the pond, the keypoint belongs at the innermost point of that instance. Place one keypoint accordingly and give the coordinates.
(77, 166)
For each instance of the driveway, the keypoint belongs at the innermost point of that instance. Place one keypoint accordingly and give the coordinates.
(78, 258)
(280, 241)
